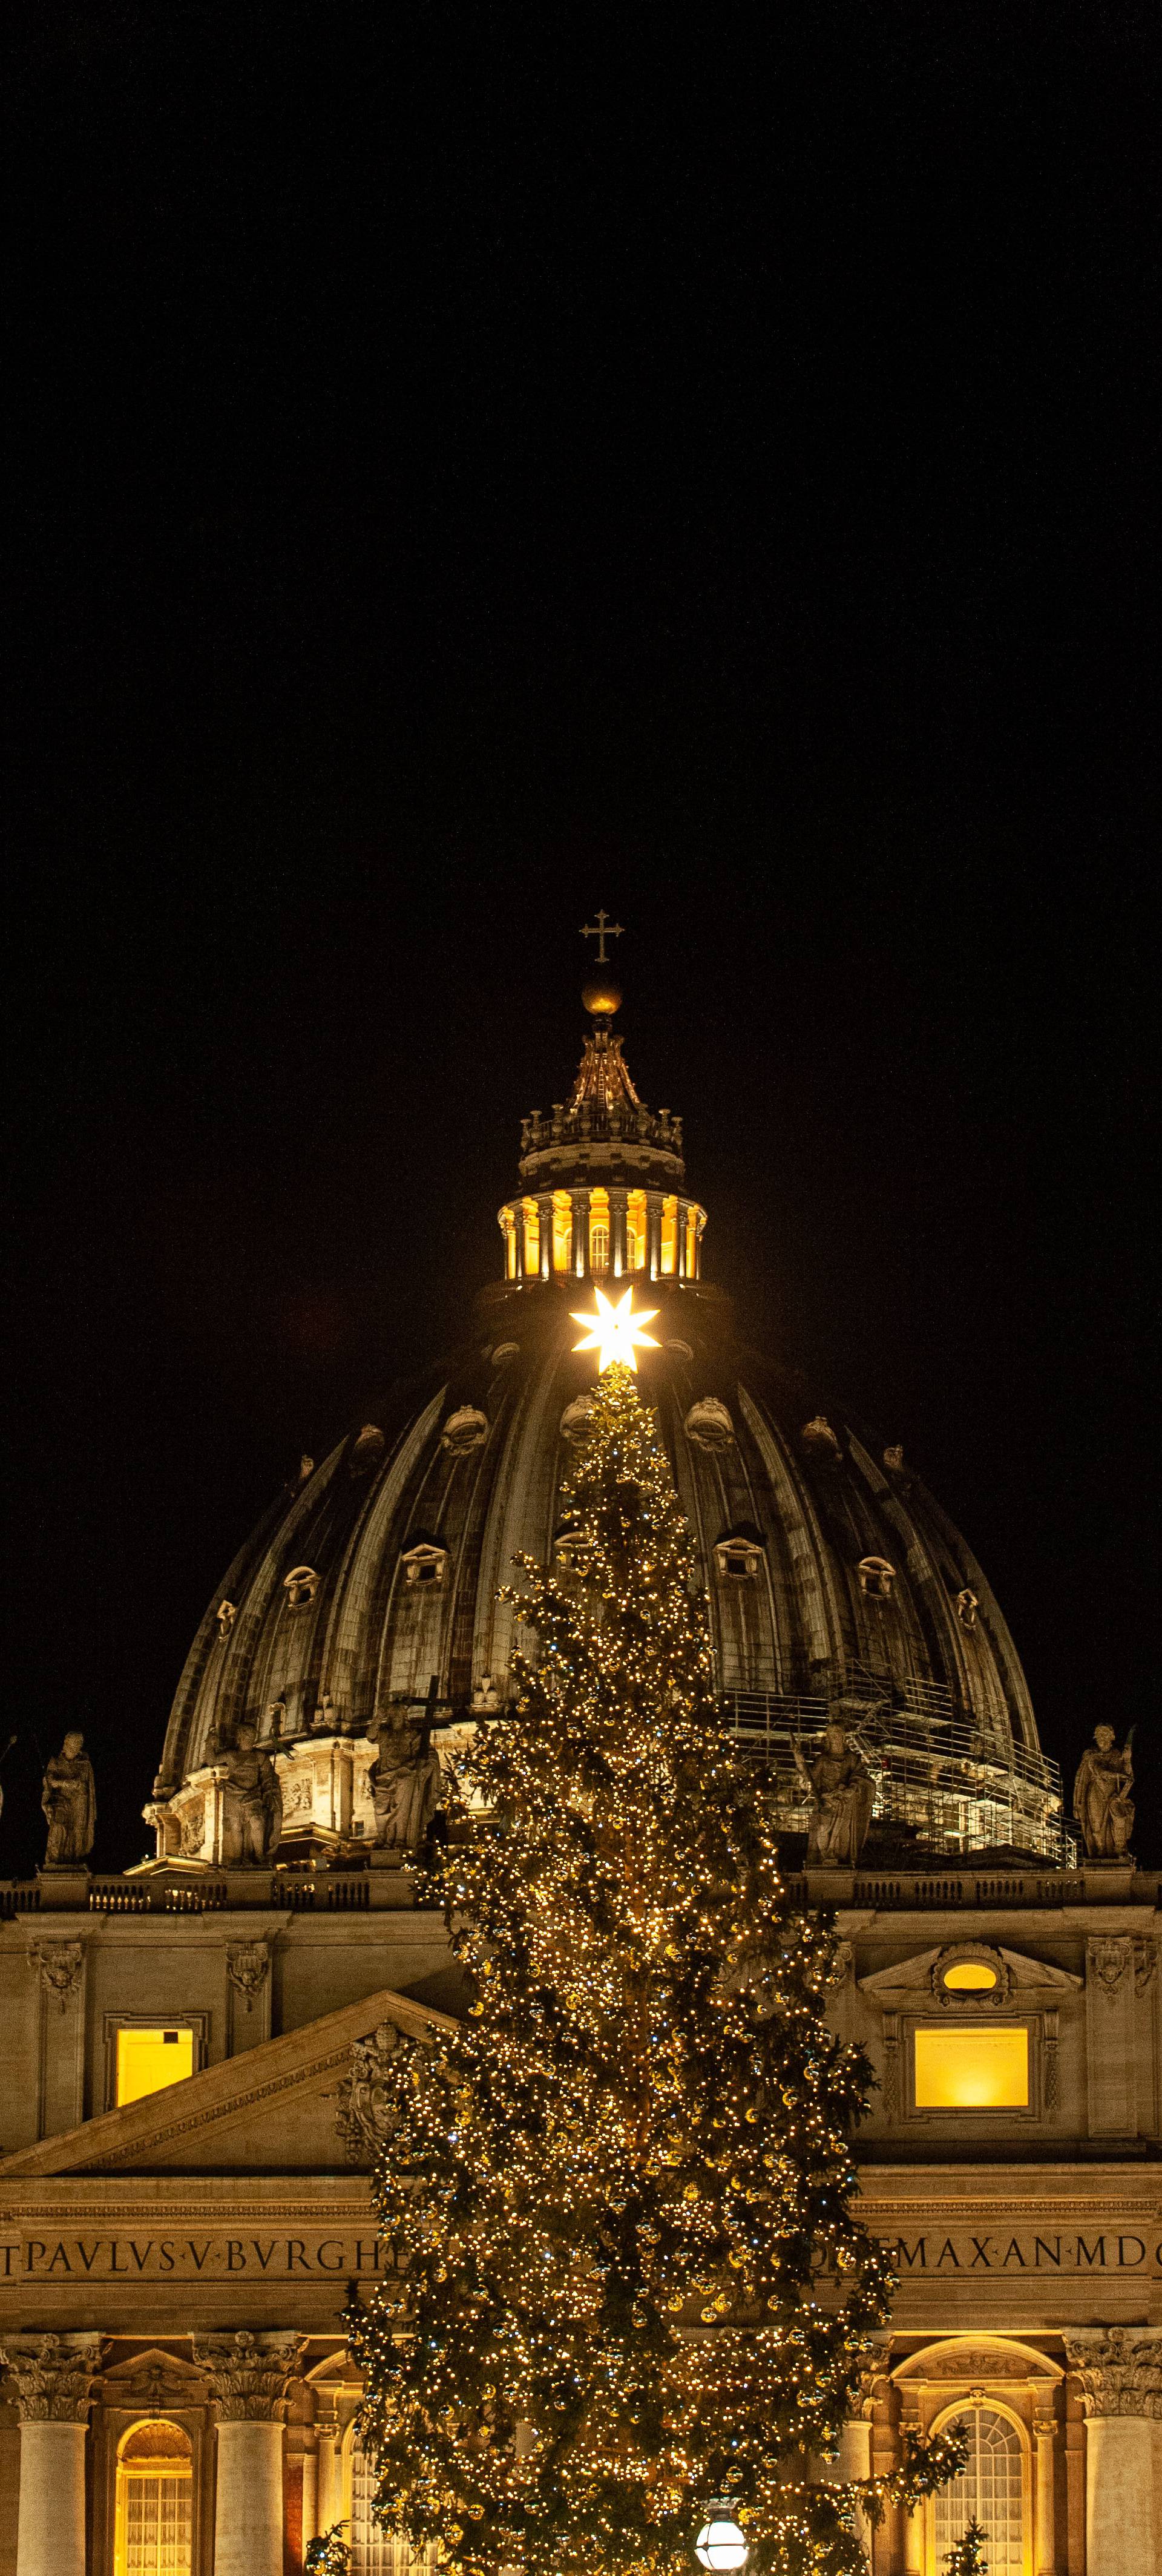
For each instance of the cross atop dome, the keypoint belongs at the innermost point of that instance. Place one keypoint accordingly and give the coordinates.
(601, 995)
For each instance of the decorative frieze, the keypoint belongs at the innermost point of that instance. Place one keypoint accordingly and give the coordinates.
(52, 2375)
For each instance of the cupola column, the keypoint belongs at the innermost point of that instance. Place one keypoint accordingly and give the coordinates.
(545, 1232)
(617, 1261)
(683, 1237)
(519, 1224)
(654, 1233)
(581, 1233)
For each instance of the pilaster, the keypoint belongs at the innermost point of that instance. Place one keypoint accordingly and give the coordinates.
(59, 1964)
(1109, 2013)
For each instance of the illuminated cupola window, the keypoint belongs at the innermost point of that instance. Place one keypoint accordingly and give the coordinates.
(603, 1191)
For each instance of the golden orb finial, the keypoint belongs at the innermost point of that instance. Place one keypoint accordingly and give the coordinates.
(601, 997)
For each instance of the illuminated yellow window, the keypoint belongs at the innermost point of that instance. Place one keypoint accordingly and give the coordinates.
(970, 1977)
(155, 2486)
(599, 1229)
(532, 1218)
(635, 1230)
(562, 1230)
(147, 2059)
(973, 2067)
(669, 1237)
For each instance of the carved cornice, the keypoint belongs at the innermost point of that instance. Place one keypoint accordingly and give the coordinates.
(1120, 2369)
(248, 2373)
(52, 2374)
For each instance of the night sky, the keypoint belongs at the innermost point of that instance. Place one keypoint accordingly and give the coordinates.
(468, 466)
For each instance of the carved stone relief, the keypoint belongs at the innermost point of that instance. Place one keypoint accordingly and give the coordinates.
(363, 2116)
(1109, 1958)
(60, 1964)
(248, 1966)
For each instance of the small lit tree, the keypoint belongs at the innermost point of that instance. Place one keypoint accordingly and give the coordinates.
(968, 2558)
(629, 2278)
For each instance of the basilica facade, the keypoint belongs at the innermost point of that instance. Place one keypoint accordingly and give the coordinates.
(193, 2051)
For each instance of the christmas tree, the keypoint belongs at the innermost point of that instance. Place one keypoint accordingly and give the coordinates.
(629, 2282)
(968, 2558)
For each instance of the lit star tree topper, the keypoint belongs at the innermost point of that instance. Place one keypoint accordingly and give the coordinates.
(616, 1332)
(625, 2281)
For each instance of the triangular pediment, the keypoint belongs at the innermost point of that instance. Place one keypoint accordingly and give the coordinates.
(272, 2109)
(1016, 1973)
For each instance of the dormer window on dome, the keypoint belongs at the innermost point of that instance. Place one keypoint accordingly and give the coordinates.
(738, 1559)
(967, 1606)
(424, 1564)
(876, 1577)
(300, 1587)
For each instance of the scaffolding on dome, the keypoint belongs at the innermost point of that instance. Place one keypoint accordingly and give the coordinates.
(938, 1773)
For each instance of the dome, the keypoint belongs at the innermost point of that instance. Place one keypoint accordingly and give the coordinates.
(835, 1580)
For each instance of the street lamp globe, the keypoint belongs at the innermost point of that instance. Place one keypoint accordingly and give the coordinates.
(720, 2544)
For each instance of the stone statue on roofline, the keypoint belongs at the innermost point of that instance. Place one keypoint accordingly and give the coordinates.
(69, 1800)
(1102, 1803)
(404, 1780)
(253, 1794)
(842, 1790)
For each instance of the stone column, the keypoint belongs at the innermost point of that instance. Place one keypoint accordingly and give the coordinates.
(1120, 2369)
(52, 2373)
(329, 2496)
(1044, 2534)
(545, 1215)
(855, 2444)
(310, 2466)
(519, 1239)
(912, 2524)
(248, 2374)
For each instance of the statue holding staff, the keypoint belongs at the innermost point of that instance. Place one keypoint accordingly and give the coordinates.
(1101, 1795)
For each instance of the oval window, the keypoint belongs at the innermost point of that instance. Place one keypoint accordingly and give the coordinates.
(970, 1977)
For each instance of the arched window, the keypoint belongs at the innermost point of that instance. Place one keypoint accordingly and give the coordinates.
(562, 1230)
(375, 2552)
(155, 2489)
(991, 2486)
(635, 1230)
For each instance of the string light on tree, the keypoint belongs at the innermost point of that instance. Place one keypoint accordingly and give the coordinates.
(616, 1332)
(623, 2272)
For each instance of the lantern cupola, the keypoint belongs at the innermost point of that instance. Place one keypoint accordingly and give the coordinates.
(603, 1181)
